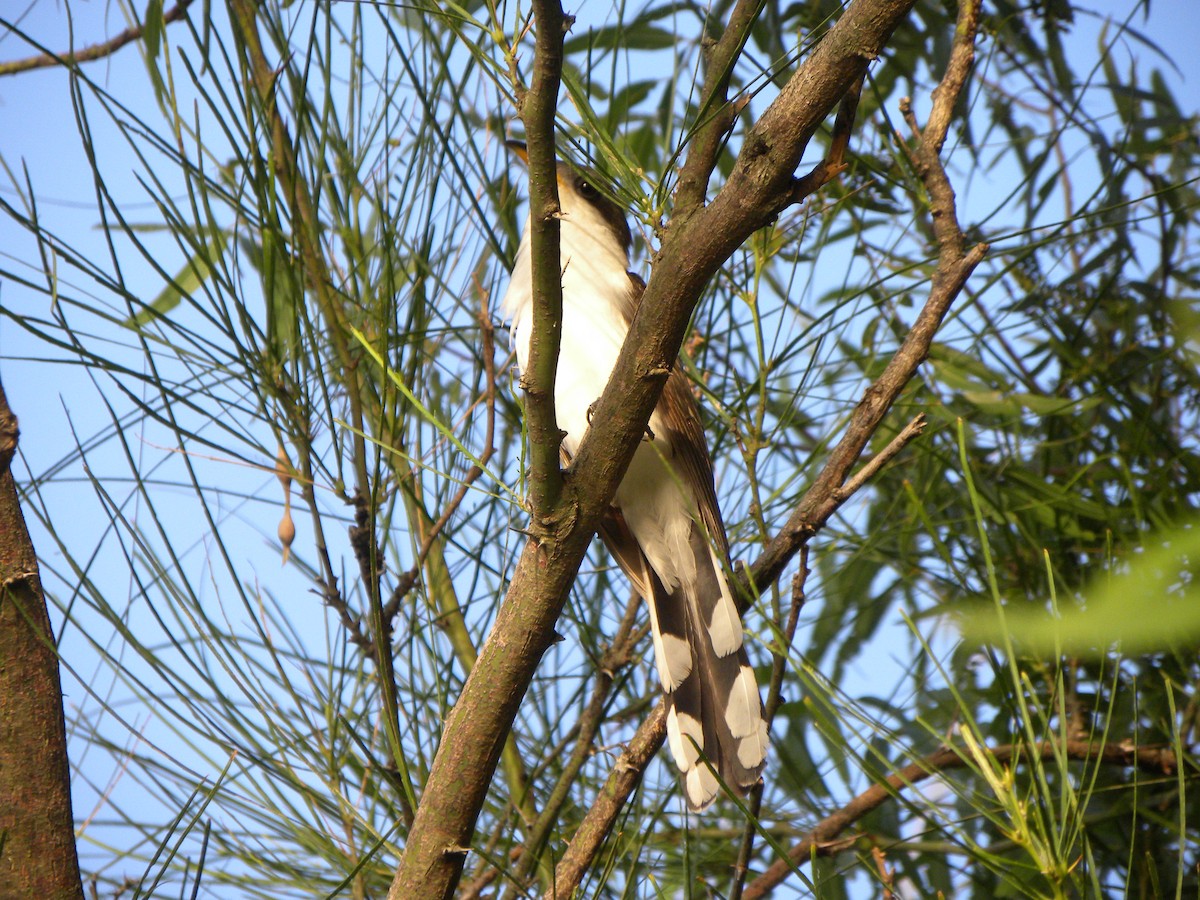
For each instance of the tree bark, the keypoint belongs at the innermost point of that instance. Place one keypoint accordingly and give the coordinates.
(695, 245)
(37, 833)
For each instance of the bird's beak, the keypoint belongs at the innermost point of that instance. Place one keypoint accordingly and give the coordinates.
(517, 149)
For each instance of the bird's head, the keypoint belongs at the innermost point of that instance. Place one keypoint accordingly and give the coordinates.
(586, 203)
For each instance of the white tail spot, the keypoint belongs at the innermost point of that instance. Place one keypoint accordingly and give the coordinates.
(725, 629)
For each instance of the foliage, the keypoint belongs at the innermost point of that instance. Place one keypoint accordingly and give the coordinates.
(330, 298)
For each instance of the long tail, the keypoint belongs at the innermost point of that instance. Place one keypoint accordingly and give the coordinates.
(715, 721)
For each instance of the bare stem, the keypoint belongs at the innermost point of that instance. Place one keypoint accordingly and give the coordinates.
(93, 52)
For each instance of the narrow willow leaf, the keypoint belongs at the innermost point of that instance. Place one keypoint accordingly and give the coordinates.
(1153, 605)
(193, 274)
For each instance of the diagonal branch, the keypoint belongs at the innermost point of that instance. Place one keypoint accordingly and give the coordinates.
(692, 252)
(716, 113)
(628, 769)
(954, 267)
(618, 655)
(598, 823)
(759, 187)
(93, 52)
(821, 839)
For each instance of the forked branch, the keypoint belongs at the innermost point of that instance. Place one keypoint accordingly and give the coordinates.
(691, 254)
(954, 267)
(835, 484)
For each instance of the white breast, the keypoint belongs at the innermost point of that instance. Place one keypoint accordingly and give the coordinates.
(595, 290)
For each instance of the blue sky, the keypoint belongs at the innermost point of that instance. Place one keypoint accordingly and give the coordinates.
(59, 404)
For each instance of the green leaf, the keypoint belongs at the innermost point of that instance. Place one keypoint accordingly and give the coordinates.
(193, 274)
(639, 35)
(1153, 605)
(626, 99)
(152, 28)
(152, 33)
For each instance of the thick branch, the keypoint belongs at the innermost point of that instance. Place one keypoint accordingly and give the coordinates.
(524, 627)
(38, 857)
(820, 840)
(759, 186)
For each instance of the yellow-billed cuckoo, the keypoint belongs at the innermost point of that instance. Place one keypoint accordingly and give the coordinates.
(665, 527)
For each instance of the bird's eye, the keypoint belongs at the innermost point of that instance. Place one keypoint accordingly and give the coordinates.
(586, 189)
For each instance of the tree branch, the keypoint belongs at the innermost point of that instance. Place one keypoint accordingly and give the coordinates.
(598, 822)
(692, 252)
(954, 267)
(477, 727)
(820, 839)
(774, 701)
(95, 51)
(716, 114)
(38, 857)
(830, 491)
(693, 249)
(618, 655)
(537, 111)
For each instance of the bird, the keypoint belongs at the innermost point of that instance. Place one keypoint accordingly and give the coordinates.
(664, 526)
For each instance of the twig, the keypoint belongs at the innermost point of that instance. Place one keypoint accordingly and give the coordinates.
(882, 458)
(716, 113)
(821, 839)
(616, 657)
(887, 879)
(330, 593)
(406, 581)
(609, 802)
(774, 700)
(95, 51)
(474, 889)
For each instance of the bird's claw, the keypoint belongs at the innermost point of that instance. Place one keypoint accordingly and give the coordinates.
(591, 411)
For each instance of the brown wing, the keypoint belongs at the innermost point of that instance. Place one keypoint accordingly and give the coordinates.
(677, 407)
